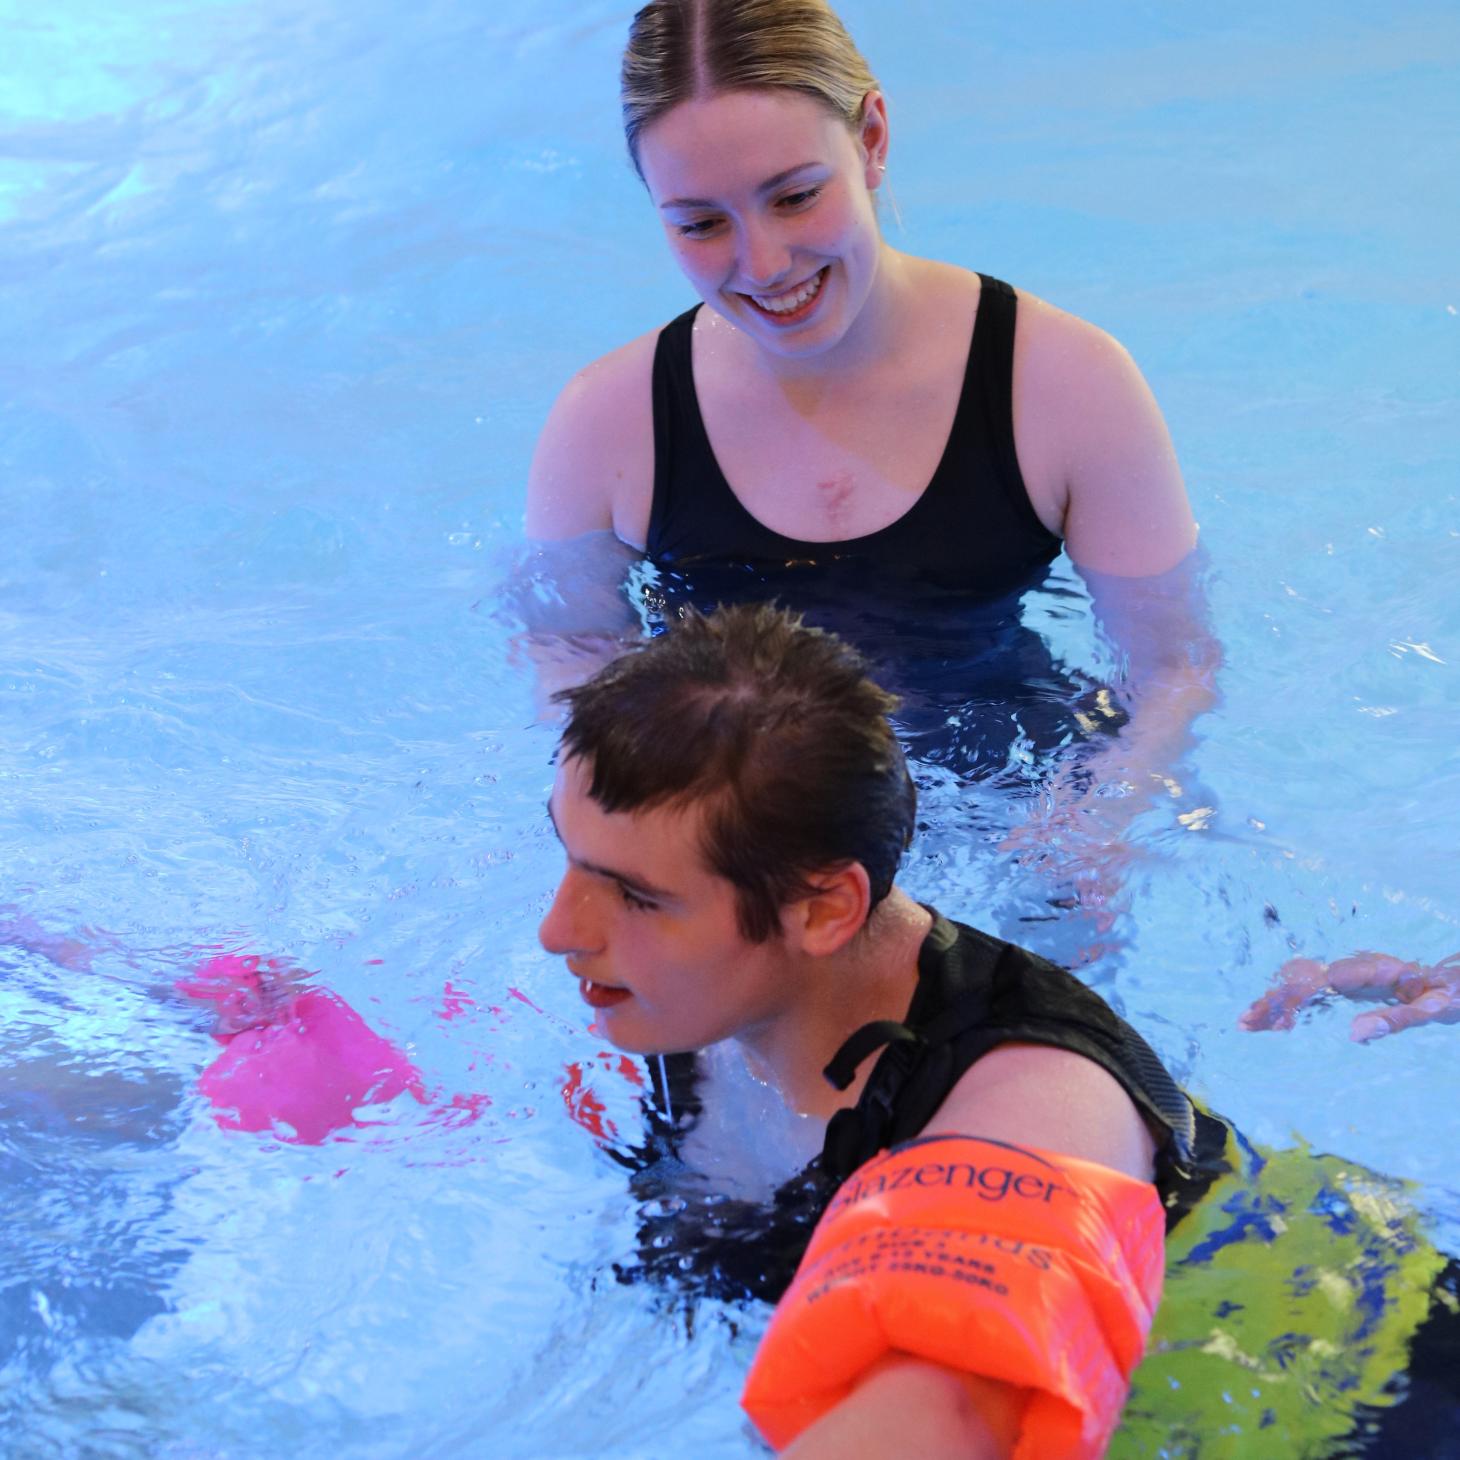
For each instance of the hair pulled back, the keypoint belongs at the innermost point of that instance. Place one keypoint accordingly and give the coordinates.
(775, 729)
(680, 49)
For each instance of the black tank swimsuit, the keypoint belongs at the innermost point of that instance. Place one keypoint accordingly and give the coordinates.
(933, 600)
(973, 527)
(974, 993)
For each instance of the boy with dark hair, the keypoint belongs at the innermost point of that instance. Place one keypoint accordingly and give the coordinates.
(733, 804)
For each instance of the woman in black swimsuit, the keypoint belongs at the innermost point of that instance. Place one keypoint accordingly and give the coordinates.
(833, 395)
(834, 401)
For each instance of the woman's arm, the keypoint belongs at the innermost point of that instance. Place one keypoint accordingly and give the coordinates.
(593, 470)
(567, 611)
(1167, 664)
(589, 493)
(1093, 447)
(1102, 472)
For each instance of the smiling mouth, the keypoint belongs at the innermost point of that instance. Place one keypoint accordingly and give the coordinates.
(791, 304)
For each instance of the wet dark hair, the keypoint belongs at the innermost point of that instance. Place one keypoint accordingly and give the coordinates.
(679, 49)
(776, 728)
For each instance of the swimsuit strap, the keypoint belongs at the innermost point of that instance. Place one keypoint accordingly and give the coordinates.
(986, 410)
(682, 450)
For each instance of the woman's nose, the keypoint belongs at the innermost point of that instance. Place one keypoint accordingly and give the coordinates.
(569, 925)
(765, 260)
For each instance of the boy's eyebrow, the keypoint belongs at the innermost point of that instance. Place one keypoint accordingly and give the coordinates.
(635, 885)
(768, 186)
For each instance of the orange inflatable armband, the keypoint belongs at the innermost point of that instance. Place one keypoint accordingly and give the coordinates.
(1022, 1266)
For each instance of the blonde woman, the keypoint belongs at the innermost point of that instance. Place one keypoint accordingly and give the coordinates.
(834, 398)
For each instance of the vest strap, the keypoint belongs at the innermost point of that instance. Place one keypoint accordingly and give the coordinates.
(843, 1067)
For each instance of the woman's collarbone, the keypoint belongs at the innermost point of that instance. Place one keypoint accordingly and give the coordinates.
(827, 477)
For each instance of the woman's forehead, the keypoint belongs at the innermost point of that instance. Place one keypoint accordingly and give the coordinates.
(736, 140)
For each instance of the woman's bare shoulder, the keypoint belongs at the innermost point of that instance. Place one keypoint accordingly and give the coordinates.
(1061, 345)
(1093, 446)
(1063, 367)
(593, 469)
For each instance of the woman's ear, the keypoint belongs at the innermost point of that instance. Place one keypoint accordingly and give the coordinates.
(873, 137)
(831, 916)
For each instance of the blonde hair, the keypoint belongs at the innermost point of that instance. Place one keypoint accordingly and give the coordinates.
(680, 49)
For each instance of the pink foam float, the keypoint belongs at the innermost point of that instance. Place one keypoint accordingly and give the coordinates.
(298, 1062)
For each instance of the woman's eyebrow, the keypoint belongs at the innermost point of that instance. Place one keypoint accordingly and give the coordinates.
(768, 186)
(772, 183)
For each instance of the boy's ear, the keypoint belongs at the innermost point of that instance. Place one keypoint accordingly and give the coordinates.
(833, 914)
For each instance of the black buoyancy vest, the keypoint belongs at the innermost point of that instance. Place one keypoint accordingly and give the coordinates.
(974, 993)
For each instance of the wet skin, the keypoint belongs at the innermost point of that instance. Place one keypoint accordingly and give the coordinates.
(638, 912)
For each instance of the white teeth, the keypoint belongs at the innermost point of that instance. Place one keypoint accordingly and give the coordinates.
(785, 303)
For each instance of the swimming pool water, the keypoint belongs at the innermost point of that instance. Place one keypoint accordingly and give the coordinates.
(285, 291)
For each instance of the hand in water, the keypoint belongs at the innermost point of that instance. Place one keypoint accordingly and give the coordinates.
(1082, 829)
(1414, 993)
(1077, 836)
(247, 992)
(563, 661)
(297, 1061)
(565, 607)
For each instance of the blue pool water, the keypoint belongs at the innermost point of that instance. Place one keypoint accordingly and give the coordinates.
(285, 292)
